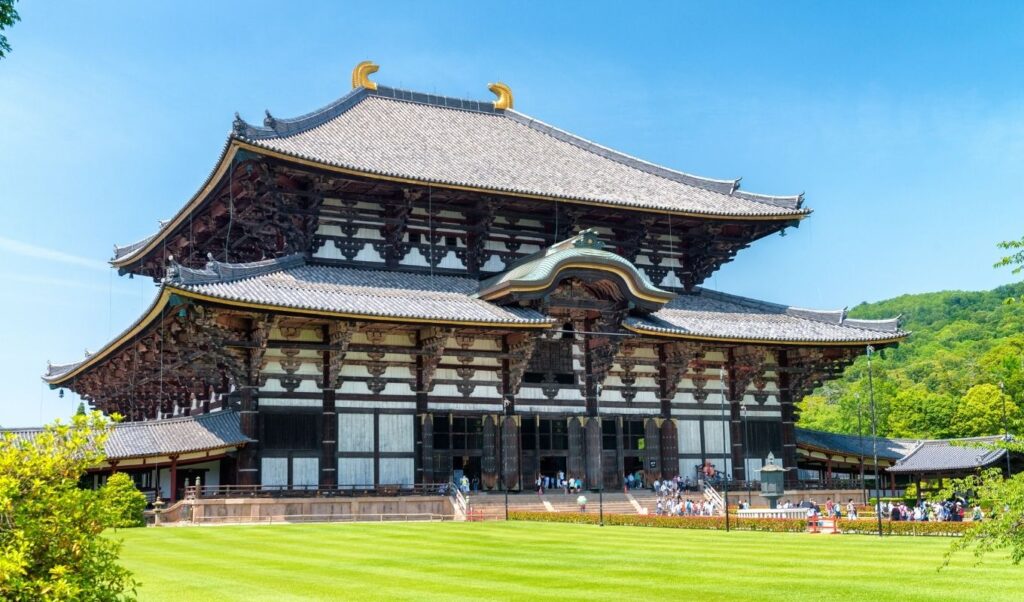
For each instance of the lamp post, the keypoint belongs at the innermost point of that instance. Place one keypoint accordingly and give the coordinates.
(746, 451)
(860, 437)
(874, 440)
(725, 448)
(1006, 430)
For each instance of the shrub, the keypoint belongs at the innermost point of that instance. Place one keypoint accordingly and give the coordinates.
(870, 527)
(671, 522)
(124, 503)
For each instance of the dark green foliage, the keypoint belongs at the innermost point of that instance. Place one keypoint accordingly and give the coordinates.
(934, 385)
(124, 503)
(8, 17)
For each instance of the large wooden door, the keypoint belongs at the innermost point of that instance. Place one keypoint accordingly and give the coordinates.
(510, 452)
(489, 459)
(652, 450)
(669, 449)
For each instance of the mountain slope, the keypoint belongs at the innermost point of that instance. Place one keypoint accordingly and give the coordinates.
(943, 382)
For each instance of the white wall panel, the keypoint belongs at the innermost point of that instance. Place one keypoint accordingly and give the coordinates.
(305, 472)
(397, 471)
(355, 471)
(274, 472)
(355, 432)
(396, 433)
(688, 432)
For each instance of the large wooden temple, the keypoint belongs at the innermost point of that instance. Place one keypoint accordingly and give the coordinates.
(400, 287)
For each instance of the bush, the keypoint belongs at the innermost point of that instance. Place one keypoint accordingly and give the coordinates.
(124, 503)
(870, 527)
(672, 522)
(51, 542)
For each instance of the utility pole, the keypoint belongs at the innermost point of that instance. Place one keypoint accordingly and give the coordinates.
(860, 437)
(1006, 428)
(746, 451)
(874, 440)
(725, 448)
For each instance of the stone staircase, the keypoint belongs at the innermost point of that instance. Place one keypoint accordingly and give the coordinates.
(490, 506)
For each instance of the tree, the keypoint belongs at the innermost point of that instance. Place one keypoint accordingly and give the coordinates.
(51, 547)
(124, 503)
(1014, 260)
(8, 17)
(1003, 528)
(81, 409)
(980, 412)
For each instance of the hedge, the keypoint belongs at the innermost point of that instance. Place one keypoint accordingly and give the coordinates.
(673, 522)
(870, 527)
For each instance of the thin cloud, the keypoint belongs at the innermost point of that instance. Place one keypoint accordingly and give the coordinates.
(60, 283)
(36, 252)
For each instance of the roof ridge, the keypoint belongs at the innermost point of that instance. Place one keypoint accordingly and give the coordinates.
(222, 271)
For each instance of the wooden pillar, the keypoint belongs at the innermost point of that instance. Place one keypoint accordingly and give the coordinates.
(248, 467)
(594, 453)
(329, 442)
(652, 450)
(489, 461)
(788, 420)
(892, 483)
(918, 489)
(510, 452)
(174, 479)
(577, 462)
(426, 447)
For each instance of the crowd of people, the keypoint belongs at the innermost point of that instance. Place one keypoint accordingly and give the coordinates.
(559, 481)
(672, 499)
(947, 511)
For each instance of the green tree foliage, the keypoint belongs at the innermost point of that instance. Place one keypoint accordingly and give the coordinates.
(124, 503)
(980, 412)
(1003, 527)
(8, 17)
(960, 340)
(51, 547)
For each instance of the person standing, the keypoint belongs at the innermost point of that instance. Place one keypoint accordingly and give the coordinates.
(581, 501)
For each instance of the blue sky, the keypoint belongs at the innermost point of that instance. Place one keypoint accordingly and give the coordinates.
(902, 122)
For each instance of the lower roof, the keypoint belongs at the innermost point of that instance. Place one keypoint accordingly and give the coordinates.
(711, 315)
(292, 285)
(951, 455)
(171, 436)
(853, 445)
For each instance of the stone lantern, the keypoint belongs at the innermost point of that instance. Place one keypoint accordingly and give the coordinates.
(772, 481)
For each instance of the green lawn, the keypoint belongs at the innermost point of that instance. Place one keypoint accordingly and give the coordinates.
(499, 560)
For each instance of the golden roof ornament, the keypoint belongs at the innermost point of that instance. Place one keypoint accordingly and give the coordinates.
(504, 94)
(361, 75)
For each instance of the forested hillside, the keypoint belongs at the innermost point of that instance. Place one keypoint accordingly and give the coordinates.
(944, 381)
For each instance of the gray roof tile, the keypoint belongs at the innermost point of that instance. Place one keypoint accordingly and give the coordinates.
(854, 445)
(451, 141)
(163, 437)
(711, 314)
(950, 455)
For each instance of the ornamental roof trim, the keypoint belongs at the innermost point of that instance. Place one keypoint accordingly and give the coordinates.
(583, 251)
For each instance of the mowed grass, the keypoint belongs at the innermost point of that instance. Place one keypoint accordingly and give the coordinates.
(538, 561)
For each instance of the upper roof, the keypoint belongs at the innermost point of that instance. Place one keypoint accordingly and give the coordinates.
(413, 137)
(853, 445)
(951, 455)
(712, 315)
(468, 143)
(205, 432)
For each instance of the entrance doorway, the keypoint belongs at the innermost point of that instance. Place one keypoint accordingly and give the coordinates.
(633, 465)
(468, 466)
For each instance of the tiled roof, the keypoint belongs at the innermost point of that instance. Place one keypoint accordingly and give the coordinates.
(951, 455)
(164, 437)
(451, 141)
(286, 283)
(853, 445)
(714, 315)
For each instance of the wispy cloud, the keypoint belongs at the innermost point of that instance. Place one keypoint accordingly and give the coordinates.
(25, 249)
(63, 283)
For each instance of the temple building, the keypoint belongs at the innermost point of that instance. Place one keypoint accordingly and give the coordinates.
(400, 287)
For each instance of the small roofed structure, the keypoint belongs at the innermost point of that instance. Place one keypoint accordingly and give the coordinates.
(837, 460)
(160, 455)
(953, 457)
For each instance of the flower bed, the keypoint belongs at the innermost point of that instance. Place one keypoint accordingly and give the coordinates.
(671, 522)
(870, 527)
